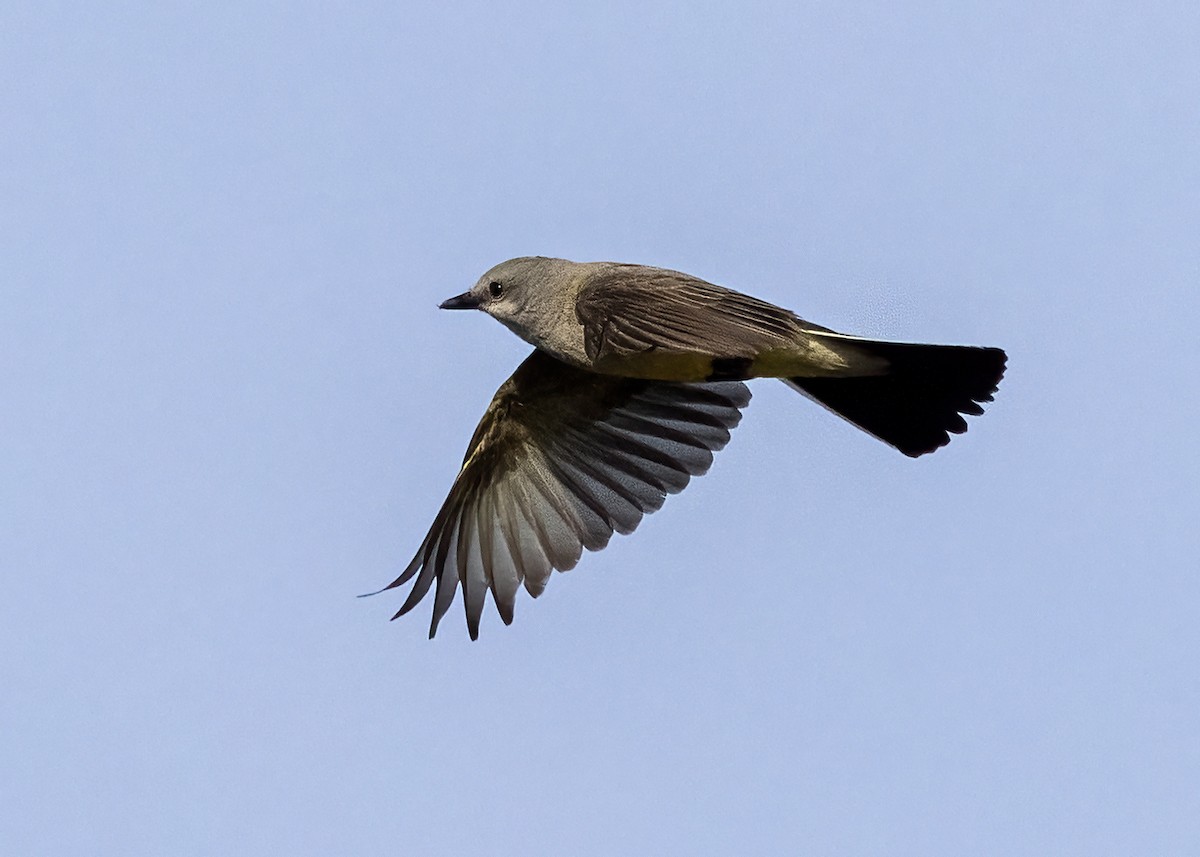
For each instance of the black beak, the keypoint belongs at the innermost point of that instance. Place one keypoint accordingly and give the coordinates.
(464, 301)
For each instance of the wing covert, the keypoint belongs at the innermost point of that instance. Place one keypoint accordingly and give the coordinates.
(631, 309)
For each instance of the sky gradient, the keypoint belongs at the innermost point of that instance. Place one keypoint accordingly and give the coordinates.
(229, 405)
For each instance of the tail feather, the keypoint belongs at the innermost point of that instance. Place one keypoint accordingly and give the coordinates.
(918, 403)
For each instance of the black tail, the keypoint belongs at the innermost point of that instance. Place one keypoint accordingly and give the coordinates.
(920, 399)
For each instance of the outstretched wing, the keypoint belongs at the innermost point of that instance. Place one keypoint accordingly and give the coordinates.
(633, 309)
(561, 460)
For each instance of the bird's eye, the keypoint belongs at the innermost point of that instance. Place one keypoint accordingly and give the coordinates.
(495, 288)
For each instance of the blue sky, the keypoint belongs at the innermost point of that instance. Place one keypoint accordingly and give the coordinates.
(230, 406)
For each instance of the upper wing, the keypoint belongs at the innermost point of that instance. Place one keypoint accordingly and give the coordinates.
(631, 309)
(561, 459)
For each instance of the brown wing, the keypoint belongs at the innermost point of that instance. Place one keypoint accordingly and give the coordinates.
(632, 309)
(561, 460)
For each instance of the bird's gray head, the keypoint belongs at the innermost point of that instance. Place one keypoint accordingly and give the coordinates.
(530, 295)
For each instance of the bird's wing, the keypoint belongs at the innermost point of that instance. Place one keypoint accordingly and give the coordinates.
(561, 459)
(632, 309)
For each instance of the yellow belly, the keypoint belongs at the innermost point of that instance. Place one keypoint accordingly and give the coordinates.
(658, 366)
(691, 366)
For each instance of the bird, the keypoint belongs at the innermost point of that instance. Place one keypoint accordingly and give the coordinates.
(636, 379)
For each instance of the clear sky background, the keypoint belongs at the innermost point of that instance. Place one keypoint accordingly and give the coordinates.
(228, 405)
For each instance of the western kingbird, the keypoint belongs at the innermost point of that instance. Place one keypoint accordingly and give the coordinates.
(634, 382)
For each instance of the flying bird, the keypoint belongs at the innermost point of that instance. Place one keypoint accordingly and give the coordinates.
(635, 380)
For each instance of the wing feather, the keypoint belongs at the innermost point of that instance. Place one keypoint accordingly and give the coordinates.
(536, 561)
(619, 501)
(472, 573)
(561, 460)
(498, 557)
(447, 571)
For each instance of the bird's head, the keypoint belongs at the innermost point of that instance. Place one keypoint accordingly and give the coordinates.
(523, 294)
